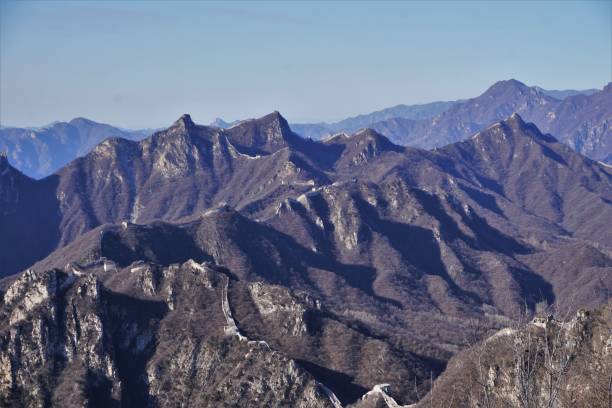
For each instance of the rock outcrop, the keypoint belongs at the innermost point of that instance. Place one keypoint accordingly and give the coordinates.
(140, 336)
(542, 363)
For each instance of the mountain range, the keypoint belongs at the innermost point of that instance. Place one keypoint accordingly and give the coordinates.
(285, 270)
(352, 124)
(581, 119)
(39, 152)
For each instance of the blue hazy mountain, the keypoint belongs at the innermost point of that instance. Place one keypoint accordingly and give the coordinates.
(38, 152)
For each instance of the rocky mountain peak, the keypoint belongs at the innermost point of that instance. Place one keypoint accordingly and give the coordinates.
(274, 115)
(521, 128)
(510, 85)
(184, 122)
(362, 146)
(374, 228)
(514, 92)
(515, 120)
(220, 123)
(508, 131)
(81, 121)
(277, 120)
(266, 134)
(370, 137)
(368, 133)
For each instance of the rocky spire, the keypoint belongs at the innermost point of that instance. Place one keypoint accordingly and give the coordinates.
(184, 122)
(515, 119)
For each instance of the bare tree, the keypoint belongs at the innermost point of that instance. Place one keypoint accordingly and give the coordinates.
(526, 354)
(541, 352)
(539, 362)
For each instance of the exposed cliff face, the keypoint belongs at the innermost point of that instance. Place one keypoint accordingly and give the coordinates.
(277, 304)
(186, 334)
(184, 170)
(55, 344)
(539, 364)
(149, 336)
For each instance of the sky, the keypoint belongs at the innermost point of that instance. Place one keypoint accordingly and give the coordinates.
(144, 63)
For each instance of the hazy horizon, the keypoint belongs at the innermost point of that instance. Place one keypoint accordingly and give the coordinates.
(144, 64)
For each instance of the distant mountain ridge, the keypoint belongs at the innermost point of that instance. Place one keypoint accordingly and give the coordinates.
(584, 122)
(562, 94)
(39, 152)
(405, 114)
(352, 124)
(220, 123)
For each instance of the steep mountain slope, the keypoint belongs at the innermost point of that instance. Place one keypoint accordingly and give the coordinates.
(184, 170)
(450, 231)
(175, 173)
(429, 125)
(40, 152)
(472, 191)
(581, 121)
(29, 218)
(541, 175)
(545, 362)
(465, 118)
(125, 339)
(124, 336)
(584, 123)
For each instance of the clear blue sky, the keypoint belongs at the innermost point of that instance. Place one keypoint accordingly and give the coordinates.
(144, 63)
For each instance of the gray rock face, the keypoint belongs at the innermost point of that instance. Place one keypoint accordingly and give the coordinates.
(472, 224)
(53, 332)
(544, 362)
(141, 336)
(276, 304)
